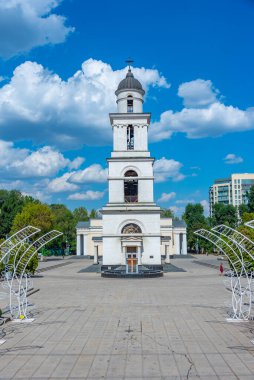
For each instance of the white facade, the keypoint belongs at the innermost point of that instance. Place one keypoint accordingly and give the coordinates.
(172, 238)
(131, 229)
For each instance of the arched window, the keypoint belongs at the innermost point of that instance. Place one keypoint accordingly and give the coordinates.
(129, 103)
(130, 173)
(131, 228)
(130, 137)
(130, 187)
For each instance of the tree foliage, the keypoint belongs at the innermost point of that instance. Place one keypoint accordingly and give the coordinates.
(250, 196)
(11, 203)
(243, 208)
(224, 214)
(64, 221)
(195, 220)
(167, 213)
(93, 214)
(35, 214)
(80, 214)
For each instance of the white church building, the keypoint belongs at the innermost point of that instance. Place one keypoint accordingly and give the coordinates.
(131, 231)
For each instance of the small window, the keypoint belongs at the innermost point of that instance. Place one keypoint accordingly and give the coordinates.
(129, 104)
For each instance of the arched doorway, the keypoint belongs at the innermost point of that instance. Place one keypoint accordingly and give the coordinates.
(131, 245)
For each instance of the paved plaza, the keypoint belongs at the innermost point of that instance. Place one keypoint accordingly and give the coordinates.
(88, 327)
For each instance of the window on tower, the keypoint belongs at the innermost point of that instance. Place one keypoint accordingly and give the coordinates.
(130, 187)
(130, 137)
(129, 103)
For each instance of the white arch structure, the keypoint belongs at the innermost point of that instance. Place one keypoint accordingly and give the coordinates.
(239, 250)
(250, 224)
(19, 282)
(14, 241)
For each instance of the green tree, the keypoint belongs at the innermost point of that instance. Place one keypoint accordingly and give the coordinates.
(80, 214)
(167, 213)
(11, 203)
(93, 214)
(64, 222)
(247, 217)
(242, 209)
(250, 196)
(224, 214)
(34, 214)
(195, 220)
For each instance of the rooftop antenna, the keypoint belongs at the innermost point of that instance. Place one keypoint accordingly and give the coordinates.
(129, 61)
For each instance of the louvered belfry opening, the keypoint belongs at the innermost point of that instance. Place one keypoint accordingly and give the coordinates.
(130, 137)
(130, 187)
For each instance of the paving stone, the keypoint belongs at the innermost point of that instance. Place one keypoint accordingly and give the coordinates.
(88, 327)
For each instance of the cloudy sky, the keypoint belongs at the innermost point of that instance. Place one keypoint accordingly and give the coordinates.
(61, 61)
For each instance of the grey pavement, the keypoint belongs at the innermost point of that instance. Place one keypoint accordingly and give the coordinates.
(88, 327)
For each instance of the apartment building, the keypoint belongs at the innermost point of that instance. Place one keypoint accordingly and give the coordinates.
(231, 190)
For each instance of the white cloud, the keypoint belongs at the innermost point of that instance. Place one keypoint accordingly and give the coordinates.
(213, 120)
(89, 195)
(9, 154)
(20, 163)
(39, 106)
(233, 159)
(165, 169)
(165, 197)
(198, 93)
(177, 211)
(184, 201)
(76, 163)
(61, 184)
(41, 163)
(25, 24)
(94, 173)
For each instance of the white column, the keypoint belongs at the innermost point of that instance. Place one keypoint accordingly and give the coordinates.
(167, 258)
(177, 244)
(184, 247)
(78, 246)
(139, 255)
(95, 258)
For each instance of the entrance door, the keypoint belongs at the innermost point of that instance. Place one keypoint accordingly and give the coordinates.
(132, 260)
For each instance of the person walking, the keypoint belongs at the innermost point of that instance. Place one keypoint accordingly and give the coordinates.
(221, 269)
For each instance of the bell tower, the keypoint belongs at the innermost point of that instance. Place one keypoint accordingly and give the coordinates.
(131, 219)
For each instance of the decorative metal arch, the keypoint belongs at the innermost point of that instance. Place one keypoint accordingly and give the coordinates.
(235, 246)
(250, 224)
(243, 242)
(16, 240)
(18, 281)
(20, 276)
(240, 281)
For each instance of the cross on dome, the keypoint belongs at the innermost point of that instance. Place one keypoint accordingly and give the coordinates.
(130, 82)
(129, 61)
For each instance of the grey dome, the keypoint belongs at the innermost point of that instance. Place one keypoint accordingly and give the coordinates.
(130, 83)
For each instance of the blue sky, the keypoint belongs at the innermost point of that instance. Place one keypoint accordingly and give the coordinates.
(61, 62)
